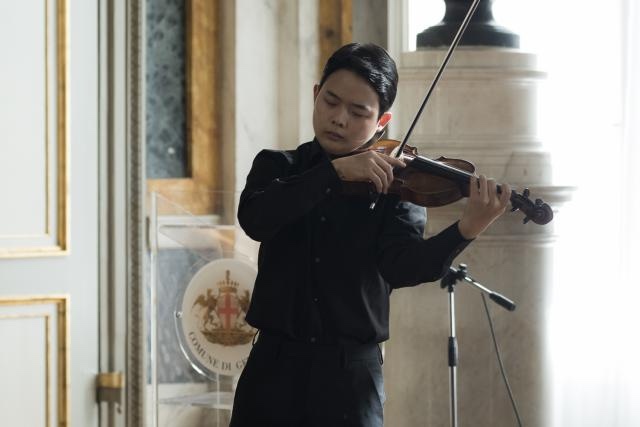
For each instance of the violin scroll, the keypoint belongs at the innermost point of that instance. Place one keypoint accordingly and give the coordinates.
(539, 212)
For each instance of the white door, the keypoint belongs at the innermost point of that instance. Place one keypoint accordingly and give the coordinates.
(48, 212)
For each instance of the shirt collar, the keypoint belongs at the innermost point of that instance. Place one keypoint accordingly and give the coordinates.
(316, 151)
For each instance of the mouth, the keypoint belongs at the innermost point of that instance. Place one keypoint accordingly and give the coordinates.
(334, 136)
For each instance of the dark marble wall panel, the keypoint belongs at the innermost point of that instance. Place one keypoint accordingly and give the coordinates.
(175, 268)
(165, 89)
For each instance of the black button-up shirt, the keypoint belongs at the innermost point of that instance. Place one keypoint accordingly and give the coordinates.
(327, 263)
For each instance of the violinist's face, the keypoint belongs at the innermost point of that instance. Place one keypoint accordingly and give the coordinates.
(345, 113)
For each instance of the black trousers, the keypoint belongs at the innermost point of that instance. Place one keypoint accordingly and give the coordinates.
(294, 384)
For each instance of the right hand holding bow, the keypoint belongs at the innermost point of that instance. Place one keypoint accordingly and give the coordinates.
(368, 166)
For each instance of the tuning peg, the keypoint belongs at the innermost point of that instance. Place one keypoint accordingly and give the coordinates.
(526, 220)
(539, 202)
(526, 193)
(515, 208)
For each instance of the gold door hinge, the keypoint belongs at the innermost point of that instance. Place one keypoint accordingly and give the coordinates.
(109, 387)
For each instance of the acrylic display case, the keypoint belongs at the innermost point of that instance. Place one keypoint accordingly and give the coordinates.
(202, 269)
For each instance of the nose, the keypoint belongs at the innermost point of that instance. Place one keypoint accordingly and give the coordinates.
(340, 118)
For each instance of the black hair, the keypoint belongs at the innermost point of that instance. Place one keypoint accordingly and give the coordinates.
(373, 64)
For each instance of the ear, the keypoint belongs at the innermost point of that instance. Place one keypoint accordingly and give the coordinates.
(384, 120)
(316, 91)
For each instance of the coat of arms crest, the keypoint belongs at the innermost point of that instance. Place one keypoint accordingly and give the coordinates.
(222, 314)
(210, 317)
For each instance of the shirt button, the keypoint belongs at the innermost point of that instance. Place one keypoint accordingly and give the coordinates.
(312, 339)
(328, 190)
(315, 299)
(317, 260)
(323, 219)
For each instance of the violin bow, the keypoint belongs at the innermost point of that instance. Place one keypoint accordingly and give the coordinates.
(436, 79)
(538, 211)
(454, 43)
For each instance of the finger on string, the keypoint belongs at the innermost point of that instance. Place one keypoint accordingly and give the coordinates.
(506, 194)
(492, 191)
(474, 187)
(483, 189)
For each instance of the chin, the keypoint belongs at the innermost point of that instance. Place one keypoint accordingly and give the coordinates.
(335, 148)
(331, 147)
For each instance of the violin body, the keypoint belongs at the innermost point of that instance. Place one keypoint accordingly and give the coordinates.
(428, 189)
(439, 182)
(416, 183)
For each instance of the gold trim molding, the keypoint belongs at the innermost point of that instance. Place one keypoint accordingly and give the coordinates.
(203, 111)
(61, 303)
(335, 28)
(61, 180)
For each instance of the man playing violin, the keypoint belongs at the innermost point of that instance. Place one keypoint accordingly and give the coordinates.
(328, 263)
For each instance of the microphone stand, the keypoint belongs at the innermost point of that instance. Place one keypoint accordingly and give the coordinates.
(449, 281)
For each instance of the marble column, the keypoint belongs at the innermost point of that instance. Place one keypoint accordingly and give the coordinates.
(484, 110)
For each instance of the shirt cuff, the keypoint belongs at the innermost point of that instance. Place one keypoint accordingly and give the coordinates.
(458, 243)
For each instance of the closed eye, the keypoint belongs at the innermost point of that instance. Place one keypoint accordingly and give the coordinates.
(331, 102)
(360, 113)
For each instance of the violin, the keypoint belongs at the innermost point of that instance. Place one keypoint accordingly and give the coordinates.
(439, 182)
(442, 181)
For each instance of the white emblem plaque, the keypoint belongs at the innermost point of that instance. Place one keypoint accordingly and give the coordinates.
(210, 317)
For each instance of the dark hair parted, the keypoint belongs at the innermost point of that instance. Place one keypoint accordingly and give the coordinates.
(373, 64)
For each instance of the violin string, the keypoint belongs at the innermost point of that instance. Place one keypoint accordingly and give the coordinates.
(454, 43)
(434, 164)
(461, 175)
